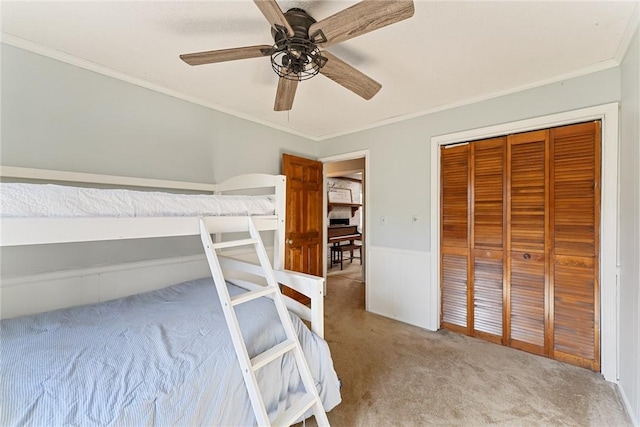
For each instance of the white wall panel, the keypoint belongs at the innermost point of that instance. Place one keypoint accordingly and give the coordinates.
(145, 277)
(36, 294)
(62, 289)
(398, 285)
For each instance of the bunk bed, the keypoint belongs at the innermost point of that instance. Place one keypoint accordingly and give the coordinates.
(162, 357)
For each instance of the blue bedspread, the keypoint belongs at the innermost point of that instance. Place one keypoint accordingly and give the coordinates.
(161, 358)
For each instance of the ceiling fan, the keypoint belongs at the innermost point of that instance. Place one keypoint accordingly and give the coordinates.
(299, 42)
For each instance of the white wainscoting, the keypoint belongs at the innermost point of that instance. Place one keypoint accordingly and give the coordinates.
(51, 291)
(69, 288)
(398, 285)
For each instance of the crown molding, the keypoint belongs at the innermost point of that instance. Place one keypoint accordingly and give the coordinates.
(109, 72)
(101, 69)
(627, 36)
(600, 66)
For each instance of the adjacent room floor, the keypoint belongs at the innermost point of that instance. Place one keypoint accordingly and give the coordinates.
(396, 374)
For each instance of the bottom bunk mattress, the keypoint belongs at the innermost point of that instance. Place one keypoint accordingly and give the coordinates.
(159, 358)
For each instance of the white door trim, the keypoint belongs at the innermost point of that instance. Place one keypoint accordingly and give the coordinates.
(338, 158)
(609, 303)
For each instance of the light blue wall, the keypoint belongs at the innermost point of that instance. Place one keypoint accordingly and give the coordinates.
(399, 169)
(630, 228)
(59, 116)
(243, 147)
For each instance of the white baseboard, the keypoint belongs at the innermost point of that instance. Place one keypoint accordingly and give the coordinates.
(398, 285)
(635, 418)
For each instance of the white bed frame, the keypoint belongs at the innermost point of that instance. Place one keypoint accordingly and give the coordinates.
(38, 231)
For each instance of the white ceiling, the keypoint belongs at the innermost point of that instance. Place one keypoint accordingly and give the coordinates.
(448, 53)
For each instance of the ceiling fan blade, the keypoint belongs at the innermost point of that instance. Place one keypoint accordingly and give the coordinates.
(222, 55)
(359, 19)
(345, 75)
(274, 15)
(285, 94)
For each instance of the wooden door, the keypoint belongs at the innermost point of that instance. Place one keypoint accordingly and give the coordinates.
(472, 238)
(487, 237)
(520, 241)
(454, 237)
(303, 231)
(575, 225)
(527, 205)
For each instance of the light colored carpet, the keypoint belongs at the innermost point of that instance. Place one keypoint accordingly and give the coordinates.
(350, 270)
(395, 374)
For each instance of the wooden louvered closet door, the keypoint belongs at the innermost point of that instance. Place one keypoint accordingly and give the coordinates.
(454, 242)
(575, 225)
(487, 238)
(526, 240)
(520, 241)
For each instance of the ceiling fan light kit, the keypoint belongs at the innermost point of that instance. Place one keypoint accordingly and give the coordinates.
(298, 39)
(295, 57)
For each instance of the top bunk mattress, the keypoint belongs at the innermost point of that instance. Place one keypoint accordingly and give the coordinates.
(22, 200)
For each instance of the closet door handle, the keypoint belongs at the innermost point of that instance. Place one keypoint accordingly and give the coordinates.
(289, 242)
(526, 256)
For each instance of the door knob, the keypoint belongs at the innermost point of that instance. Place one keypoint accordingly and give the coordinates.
(289, 242)
(526, 256)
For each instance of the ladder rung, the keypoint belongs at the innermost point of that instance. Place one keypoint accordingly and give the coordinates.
(234, 243)
(295, 411)
(251, 295)
(273, 353)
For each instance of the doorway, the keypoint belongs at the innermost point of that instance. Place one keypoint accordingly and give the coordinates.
(345, 227)
(344, 222)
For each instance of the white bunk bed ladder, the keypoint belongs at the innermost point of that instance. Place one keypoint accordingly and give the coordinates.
(249, 366)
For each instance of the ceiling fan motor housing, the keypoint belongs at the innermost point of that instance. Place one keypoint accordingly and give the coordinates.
(296, 57)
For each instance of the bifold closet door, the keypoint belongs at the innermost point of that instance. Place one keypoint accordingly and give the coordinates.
(472, 238)
(575, 224)
(487, 237)
(454, 237)
(527, 210)
(520, 241)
